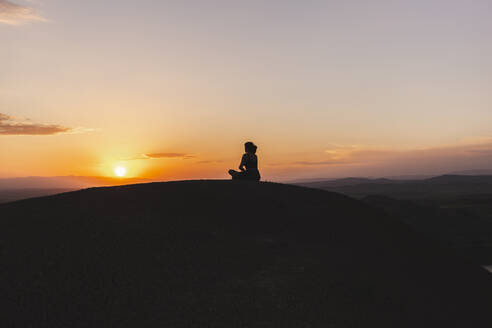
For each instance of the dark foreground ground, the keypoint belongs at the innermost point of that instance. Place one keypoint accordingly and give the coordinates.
(226, 254)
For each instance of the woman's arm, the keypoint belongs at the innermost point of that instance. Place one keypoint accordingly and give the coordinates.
(243, 163)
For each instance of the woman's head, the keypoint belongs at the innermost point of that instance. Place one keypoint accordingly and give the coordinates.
(250, 147)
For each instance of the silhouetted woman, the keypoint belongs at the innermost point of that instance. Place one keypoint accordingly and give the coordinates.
(249, 165)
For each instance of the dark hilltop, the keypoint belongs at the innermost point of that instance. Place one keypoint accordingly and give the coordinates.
(226, 254)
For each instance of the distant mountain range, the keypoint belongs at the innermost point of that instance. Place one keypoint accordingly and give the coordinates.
(444, 185)
(10, 195)
(65, 182)
(394, 177)
(473, 172)
(12, 189)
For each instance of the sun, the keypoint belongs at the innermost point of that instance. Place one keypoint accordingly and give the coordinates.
(120, 171)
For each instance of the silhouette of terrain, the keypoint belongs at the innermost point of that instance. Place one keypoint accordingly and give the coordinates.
(345, 182)
(10, 195)
(451, 209)
(226, 254)
(12, 189)
(441, 186)
(463, 224)
(65, 182)
(473, 172)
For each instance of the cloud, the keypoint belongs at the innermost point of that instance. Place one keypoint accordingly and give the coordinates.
(9, 125)
(319, 163)
(169, 155)
(160, 155)
(210, 161)
(14, 14)
(423, 160)
(361, 156)
(480, 151)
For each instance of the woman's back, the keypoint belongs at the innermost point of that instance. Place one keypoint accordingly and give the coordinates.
(250, 161)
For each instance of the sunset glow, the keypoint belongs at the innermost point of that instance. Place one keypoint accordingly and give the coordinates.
(120, 171)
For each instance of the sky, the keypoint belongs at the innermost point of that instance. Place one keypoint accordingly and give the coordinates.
(172, 89)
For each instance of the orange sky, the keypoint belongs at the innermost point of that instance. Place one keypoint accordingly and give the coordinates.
(326, 89)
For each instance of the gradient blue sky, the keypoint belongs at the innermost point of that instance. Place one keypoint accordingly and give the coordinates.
(326, 88)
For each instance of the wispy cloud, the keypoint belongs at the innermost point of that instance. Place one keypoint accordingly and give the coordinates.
(345, 156)
(14, 14)
(169, 155)
(319, 163)
(9, 125)
(160, 155)
(210, 161)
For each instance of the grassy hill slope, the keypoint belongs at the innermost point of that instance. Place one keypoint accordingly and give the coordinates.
(225, 254)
